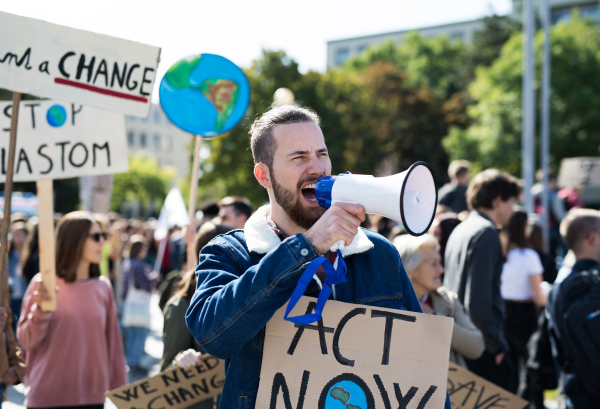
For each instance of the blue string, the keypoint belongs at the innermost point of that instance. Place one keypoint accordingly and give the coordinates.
(333, 277)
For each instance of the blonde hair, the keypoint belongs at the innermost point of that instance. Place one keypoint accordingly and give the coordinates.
(411, 249)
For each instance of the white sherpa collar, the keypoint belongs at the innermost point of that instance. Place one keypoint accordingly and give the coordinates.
(260, 237)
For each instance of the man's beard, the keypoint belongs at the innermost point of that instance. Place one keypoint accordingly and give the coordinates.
(292, 206)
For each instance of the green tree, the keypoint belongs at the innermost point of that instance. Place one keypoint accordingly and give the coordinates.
(494, 138)
(145, 183)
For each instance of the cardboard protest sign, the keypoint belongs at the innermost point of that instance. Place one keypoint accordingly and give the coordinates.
(173, 389)
(355, 357)
(469, 391)
(61, 140)
(59, 62)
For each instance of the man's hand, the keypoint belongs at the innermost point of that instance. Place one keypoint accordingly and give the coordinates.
(498, 358)
(339, 222)
(3, 318)
(10, 377)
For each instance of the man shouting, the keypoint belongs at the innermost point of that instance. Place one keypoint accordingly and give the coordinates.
(246, 275)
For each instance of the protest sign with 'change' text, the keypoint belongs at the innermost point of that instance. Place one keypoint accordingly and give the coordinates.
(355, 357)
(175, 388)
(62, 140)
(53, 61)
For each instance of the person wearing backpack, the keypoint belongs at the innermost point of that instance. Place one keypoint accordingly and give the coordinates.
(574, 313)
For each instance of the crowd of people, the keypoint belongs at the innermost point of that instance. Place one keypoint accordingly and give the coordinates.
(482, 263)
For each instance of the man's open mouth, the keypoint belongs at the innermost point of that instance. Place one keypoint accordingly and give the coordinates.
(308, 191)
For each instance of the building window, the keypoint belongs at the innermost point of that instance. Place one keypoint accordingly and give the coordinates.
(143, 140)
(156, 115)
(341, 55)
(590, 11)
(156, 142)
(130, 138)
(361, 48)
(167, 143)
(457, 35)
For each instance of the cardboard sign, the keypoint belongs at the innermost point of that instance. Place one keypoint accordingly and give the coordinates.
(59, 62)
(356, 357)
(469, 391)
(62, 140)
(173, 389)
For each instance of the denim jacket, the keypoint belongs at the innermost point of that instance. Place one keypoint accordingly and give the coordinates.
(245, 276)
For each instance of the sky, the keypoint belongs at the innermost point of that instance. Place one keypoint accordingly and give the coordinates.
(240, 29)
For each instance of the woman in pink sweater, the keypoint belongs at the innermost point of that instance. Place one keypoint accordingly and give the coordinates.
(74, 354)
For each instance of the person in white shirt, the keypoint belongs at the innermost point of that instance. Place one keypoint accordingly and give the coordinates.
(521, 290)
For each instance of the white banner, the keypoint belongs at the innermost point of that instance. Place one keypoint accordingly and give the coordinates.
(58, 140)
(53, 61)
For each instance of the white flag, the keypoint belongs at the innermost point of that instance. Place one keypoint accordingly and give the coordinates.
(173, 213)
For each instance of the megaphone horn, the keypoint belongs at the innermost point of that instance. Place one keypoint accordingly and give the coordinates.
(409, 198)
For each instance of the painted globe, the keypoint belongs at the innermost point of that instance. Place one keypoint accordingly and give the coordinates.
(56, 116)
(205, 94)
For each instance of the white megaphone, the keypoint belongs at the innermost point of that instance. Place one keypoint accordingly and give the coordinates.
(409, 198)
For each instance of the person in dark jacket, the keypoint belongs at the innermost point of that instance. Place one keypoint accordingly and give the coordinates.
(581, 231)
(474, 260)
(245, 276)
(453, 194)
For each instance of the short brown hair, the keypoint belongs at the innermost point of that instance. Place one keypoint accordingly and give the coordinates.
(135, 245)
(71, 234)
(458, 168)
(488, 185)
(577, 225)
(209, 231)
(262, 141)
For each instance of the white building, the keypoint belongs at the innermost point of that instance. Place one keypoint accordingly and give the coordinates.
(157, 137)
(339, 51)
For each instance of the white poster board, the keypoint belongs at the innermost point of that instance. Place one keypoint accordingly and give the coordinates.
(61, 140)
(53, 61)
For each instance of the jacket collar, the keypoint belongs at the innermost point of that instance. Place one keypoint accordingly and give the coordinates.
(260, 237)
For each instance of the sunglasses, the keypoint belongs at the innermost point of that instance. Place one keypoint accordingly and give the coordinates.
(96, 236)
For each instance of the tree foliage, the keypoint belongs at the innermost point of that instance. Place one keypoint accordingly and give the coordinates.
(494, 138)
(145, 183)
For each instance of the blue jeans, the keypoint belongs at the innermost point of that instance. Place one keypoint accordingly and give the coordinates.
(2, 390)
(135, 339)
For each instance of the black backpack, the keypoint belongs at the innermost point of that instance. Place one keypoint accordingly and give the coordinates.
(576, 316)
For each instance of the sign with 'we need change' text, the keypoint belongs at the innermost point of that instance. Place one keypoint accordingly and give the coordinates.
(54, 61)
(355, 357)
(61, 140)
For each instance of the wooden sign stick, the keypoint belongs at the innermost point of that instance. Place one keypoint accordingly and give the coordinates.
(192, 257)
(46, 240)
(8, 186)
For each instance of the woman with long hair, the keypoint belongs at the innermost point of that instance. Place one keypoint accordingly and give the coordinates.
(520, 288)
(74, 354)
(180, 348)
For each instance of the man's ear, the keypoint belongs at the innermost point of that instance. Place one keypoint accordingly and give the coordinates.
(261, 172)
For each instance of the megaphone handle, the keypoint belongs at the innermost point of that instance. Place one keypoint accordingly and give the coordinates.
(338, 245)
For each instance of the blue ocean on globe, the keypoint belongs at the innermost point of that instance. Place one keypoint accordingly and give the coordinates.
(56, 115)
(357, 396)
(205, 94)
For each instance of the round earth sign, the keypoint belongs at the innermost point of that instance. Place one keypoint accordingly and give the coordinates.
(56, 116)
(205, 94)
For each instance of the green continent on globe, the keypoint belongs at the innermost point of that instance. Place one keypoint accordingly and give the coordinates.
(178, 75)
(223, 94)
(351, 406)
(339, 393)
(58, 117)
